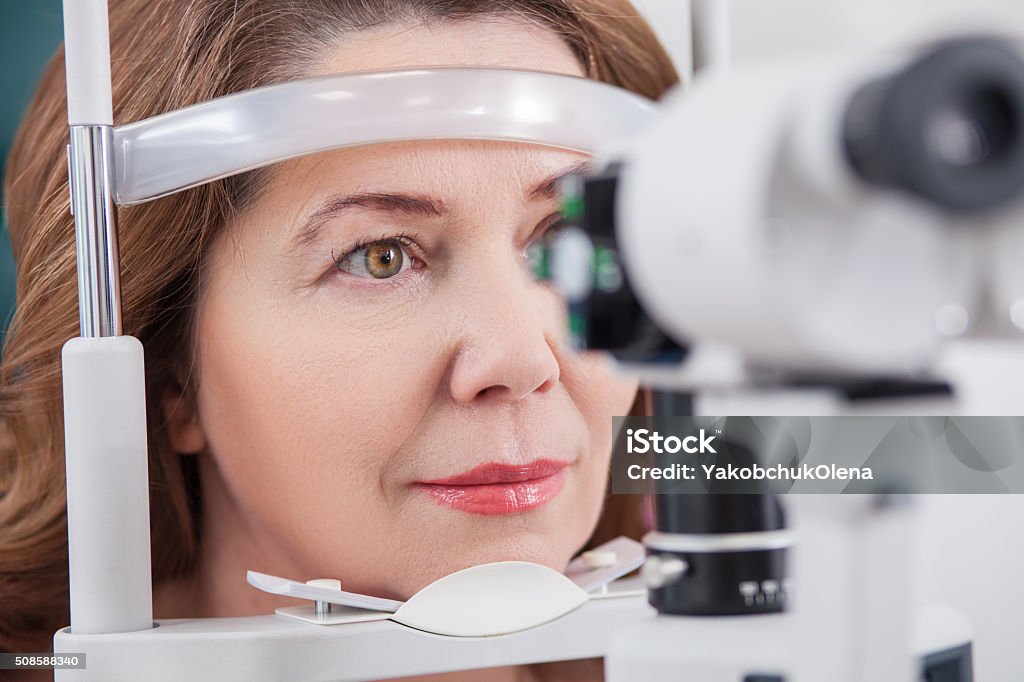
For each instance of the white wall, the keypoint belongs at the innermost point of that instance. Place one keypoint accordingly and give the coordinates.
(766, 28)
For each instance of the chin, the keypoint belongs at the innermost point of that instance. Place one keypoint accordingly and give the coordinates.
(549, 550)
(553, 551)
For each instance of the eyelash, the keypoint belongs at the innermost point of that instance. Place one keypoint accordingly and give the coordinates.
(550, 226)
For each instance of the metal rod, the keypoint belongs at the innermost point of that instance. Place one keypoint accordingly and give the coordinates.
(92, 199)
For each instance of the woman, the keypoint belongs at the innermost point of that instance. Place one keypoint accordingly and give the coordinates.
(350, 371)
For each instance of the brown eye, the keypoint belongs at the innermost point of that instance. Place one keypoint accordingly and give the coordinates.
(381, 259)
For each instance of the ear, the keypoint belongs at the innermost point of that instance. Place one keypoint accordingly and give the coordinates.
(181, 418)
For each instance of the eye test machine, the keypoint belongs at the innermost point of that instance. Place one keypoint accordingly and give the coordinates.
(853, 238)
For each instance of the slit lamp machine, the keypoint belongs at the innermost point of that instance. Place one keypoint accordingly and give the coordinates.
(841, 237)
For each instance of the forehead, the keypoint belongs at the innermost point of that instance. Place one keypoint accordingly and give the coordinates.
(428, 164)
(496, 41)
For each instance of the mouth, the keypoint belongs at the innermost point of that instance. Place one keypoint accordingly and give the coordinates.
(494, 488)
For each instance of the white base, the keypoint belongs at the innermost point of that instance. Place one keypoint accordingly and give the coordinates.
(265, 648)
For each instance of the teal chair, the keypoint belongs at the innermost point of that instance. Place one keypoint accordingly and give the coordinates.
(30, 30)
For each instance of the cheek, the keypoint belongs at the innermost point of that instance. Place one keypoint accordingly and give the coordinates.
(310, 404)
(601, 394)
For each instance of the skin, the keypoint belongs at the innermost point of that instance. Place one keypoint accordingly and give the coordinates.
(324, 395)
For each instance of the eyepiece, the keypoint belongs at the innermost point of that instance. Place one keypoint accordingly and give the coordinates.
(948, 128)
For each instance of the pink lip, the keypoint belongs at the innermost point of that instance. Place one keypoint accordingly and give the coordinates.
(494, 488)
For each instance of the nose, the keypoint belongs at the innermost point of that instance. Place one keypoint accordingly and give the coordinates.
(507, 337)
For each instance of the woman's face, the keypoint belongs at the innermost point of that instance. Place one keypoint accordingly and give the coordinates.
(385, 393)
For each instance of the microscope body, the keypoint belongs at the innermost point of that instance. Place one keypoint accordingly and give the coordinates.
(809, 220)
(831, 238)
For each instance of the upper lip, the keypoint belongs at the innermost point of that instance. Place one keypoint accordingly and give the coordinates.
(499, 472)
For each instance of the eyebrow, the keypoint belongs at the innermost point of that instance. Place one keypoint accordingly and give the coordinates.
(549, 188)
(395, 203)
(409, 204)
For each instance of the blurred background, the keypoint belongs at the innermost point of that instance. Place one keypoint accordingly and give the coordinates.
(29, 33)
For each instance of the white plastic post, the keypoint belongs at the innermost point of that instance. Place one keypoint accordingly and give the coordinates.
(87, 62)
(108, 485)
(712, 46)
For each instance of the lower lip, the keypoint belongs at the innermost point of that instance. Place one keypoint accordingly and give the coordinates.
(492, 499)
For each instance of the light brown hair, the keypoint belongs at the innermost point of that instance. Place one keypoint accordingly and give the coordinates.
(167, 54)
